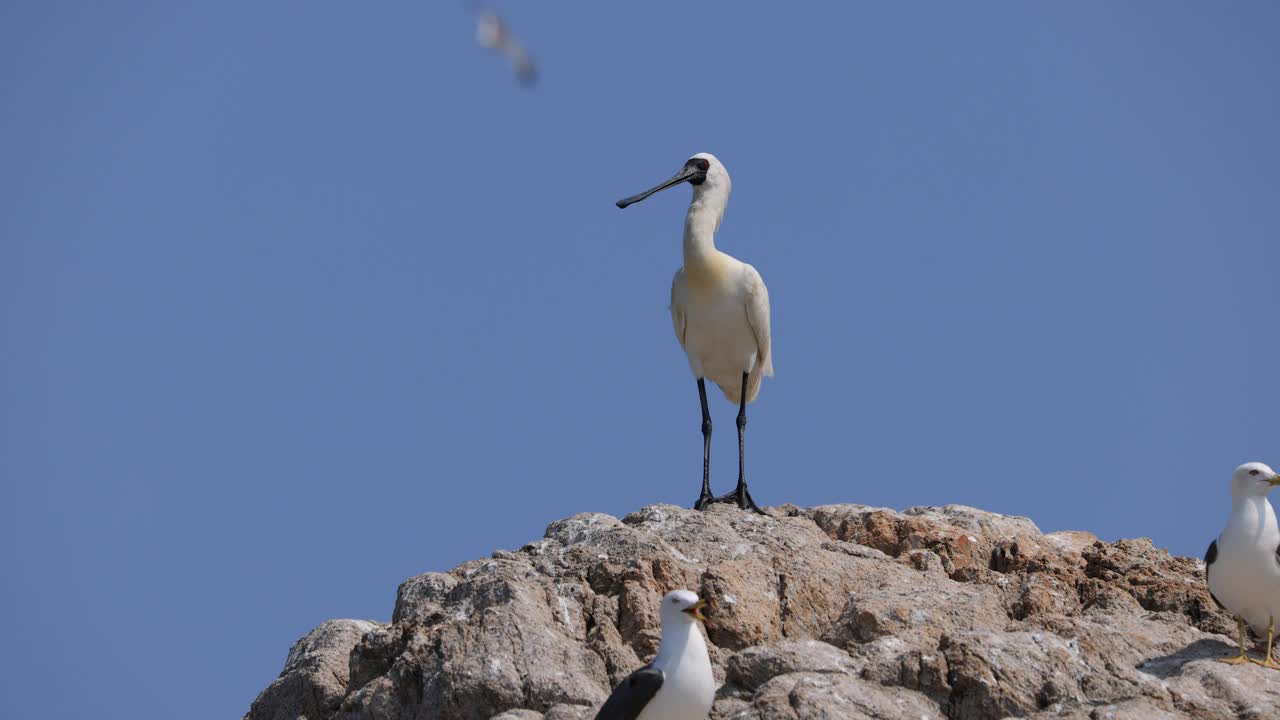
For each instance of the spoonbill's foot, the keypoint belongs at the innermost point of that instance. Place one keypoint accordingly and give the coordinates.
(704, 500)
(1240, 659)
(742, 498)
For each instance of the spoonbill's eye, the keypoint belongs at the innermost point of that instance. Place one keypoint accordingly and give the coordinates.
(705, 165)
(1253, 472)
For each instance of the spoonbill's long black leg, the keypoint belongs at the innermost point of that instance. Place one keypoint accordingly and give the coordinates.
(741, 495)
(706, 498)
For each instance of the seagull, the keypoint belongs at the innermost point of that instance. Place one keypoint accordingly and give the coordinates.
(1242, 567)
(720, 310)
(678, 684)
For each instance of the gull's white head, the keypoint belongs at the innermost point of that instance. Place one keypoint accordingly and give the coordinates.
(1253, 479)
(704, 172)
(681, 607)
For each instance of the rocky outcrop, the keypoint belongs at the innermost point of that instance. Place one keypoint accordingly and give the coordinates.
(316, 674)
(839, 611)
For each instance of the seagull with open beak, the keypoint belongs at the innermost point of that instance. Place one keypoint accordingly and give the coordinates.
(678, 684)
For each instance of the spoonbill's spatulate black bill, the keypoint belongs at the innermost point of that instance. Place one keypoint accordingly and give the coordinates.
(690, 173)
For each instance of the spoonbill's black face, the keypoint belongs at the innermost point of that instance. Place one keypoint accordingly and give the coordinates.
(694, 172)
(700, 166)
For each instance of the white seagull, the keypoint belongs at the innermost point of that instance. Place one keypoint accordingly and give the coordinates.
(1242, 567)
(678, 684)
(720, 310)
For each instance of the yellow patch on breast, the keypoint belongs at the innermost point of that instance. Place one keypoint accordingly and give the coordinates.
(713, 272)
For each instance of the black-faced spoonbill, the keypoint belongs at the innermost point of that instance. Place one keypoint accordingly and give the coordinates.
(1242, 567)
(720, 310)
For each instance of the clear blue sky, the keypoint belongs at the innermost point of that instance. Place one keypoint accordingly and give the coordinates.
(300, 299)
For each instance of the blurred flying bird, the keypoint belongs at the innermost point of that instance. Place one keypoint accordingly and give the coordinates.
(492, 33)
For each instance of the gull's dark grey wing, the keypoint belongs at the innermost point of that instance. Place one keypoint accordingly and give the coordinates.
(631, 695)
(1210, 556)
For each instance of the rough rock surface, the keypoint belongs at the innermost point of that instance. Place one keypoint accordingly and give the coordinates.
(316, 673)
(839, 611)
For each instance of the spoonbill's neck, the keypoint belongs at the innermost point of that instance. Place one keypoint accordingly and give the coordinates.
(700, 225)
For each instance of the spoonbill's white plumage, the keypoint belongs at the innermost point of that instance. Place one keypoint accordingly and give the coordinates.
(678, 684)
(1242, 566)
(720, 312)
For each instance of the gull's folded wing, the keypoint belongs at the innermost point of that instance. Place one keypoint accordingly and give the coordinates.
(631, 695)
(1210, 556)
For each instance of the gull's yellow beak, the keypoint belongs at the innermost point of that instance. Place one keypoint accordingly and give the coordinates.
(1275, 481)
(696, 610)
